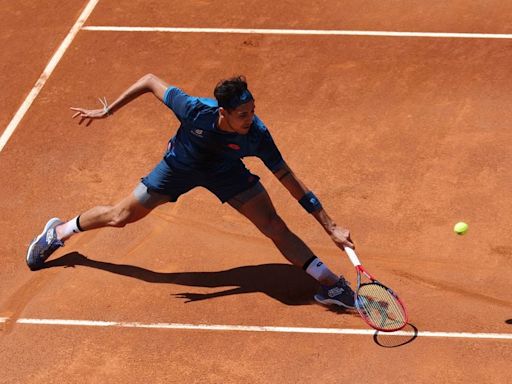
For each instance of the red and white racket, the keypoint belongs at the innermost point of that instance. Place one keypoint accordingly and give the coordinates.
(378, 305)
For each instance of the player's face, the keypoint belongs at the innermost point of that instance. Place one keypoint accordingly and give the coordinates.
(240, 119)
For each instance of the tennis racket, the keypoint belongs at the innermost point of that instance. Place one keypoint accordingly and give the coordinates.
(377, 304)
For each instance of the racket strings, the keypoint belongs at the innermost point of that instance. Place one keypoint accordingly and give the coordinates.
(380, 307)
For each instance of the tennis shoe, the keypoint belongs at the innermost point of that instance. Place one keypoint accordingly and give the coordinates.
(338, 294)
(44, 245)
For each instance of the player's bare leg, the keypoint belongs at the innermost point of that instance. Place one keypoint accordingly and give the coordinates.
(127, 211)
(130, 209)
(261, 212)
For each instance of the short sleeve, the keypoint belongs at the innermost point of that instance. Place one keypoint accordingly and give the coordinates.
(179, 102)
(267, 150)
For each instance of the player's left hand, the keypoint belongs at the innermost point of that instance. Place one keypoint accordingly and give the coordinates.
(341, 237)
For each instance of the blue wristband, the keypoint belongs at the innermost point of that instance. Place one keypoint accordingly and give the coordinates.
(310, 202)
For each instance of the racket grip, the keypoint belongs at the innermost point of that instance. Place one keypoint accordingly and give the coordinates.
(352, 256)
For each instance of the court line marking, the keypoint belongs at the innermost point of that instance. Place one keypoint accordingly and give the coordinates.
(252, 328)
(48, 70)
(299, 32)
(6, 135)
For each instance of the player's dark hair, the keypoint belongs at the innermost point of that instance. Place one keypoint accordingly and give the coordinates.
(230, 89)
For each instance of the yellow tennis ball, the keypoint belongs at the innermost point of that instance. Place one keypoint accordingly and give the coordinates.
(460, 228)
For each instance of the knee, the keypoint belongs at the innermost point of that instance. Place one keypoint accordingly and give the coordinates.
(274, 227)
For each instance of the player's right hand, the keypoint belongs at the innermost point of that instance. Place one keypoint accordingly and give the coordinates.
(91, 114)
(341, 237)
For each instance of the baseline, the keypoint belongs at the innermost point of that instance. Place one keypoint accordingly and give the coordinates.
(252, 328)
(299, 32)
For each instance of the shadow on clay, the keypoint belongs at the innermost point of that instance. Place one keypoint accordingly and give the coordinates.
(283, 282)
(396, 339)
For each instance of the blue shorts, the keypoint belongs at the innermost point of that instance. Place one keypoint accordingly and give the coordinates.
(174, 183)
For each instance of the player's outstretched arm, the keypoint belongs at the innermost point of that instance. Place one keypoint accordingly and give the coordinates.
(147, 83)
(340, 236)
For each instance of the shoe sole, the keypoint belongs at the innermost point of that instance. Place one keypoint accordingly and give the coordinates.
(332, 302)
(46, 228)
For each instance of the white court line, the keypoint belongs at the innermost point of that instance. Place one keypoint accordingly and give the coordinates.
(92, 4)
(6, 135)
(252, 328)
(300, 32)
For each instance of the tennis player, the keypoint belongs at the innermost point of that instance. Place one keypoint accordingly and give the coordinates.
(206, 151)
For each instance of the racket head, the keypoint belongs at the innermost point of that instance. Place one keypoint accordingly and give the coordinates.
(380, 307)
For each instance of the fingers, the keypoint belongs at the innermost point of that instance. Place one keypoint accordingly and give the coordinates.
(83, 115)
(342, 239)
(79, 112)
(91, 114)
(349, 244)
(87, 114)
(103, 102)
(344, 243)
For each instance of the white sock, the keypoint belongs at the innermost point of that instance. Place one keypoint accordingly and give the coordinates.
(318, 270)
(68, 229)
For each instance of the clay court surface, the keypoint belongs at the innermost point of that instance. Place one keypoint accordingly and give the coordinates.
(400, 137)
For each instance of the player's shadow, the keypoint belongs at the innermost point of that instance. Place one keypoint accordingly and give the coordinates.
(283, 282)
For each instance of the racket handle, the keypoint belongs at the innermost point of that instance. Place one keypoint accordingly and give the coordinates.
(352, 256)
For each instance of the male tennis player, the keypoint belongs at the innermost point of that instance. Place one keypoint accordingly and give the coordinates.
(206, 151)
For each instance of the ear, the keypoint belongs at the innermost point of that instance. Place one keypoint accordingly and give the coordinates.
(223, 112)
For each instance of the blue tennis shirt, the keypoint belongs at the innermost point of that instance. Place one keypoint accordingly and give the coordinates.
(199, 144)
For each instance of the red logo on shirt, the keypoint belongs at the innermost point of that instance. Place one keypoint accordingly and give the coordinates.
(236, 147)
